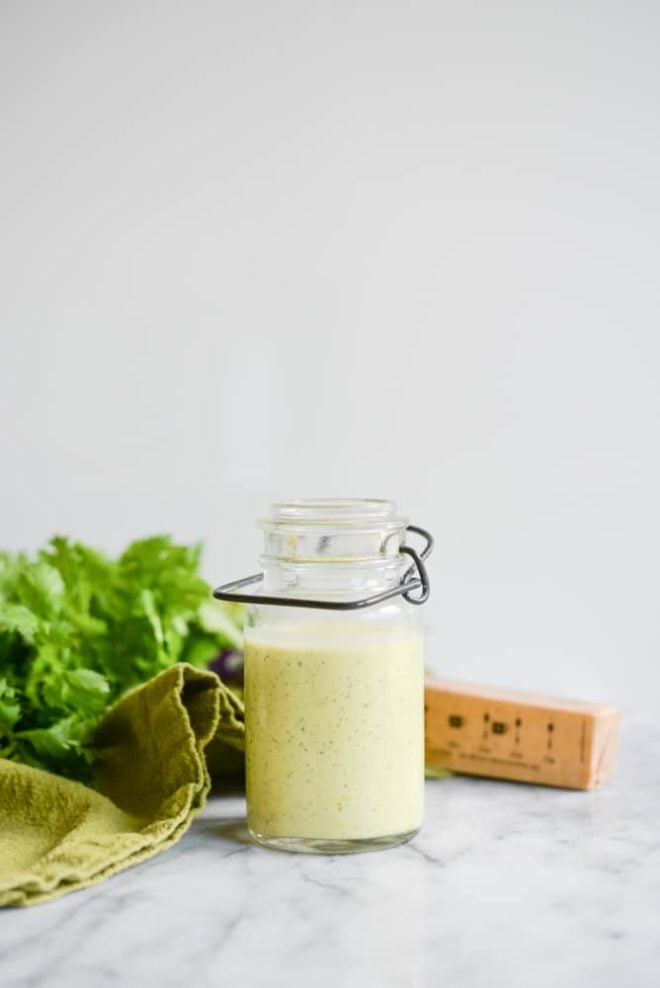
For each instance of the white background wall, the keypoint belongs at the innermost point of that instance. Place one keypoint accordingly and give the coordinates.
(261, 249)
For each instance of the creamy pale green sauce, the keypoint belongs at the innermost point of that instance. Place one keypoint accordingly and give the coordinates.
(335, 735)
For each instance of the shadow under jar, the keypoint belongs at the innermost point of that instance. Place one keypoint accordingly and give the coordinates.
(334, 678)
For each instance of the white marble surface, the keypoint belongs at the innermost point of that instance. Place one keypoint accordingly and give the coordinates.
(507, 885)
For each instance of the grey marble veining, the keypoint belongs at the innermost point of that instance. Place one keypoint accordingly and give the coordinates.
(507, 885)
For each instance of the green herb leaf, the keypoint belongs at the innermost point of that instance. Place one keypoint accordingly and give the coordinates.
(19, 618)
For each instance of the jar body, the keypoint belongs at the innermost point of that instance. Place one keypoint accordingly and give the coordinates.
(334, 706)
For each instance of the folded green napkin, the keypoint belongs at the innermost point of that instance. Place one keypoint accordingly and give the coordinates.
(151, 780)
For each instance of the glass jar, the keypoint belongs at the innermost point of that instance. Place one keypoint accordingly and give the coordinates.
(334, 679)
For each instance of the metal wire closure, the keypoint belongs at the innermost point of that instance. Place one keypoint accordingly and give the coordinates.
(407, 585)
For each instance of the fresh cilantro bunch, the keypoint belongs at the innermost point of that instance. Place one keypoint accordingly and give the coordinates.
(78, 629)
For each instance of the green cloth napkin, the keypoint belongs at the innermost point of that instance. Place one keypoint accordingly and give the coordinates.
(151, 780)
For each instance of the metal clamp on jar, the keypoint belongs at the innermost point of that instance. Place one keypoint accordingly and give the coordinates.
(334, 677)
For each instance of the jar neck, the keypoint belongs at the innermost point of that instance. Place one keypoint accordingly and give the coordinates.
(330, 579)
(325, 547)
